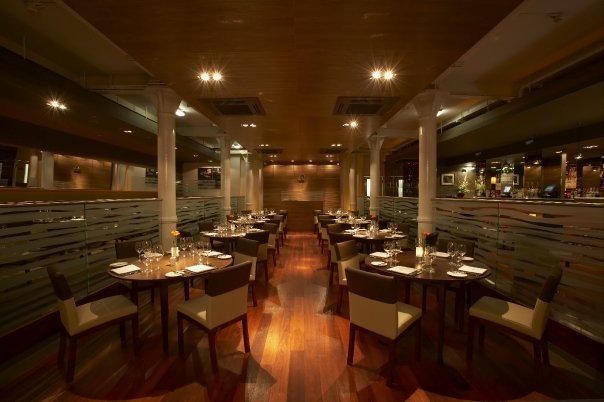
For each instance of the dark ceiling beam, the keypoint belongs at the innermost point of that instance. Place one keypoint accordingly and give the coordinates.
(22, 134)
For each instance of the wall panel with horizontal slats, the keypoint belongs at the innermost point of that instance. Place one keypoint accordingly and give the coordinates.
(77, 236)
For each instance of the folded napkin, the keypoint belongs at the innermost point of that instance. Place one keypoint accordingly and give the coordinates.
(360, 235)
(384, 230)
(457, 274)
(199, 268)
(397, 236)
(128, 269)
(349, 231)
(379, 254)
(474, 270)
(153, 255)
(441, 254)
(403, 270)
(209, 233)
(212, 253)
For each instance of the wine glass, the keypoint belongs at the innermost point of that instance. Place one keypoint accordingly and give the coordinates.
(388, 246)
(451, 250)
(461, 251)
(139, 247)
(158, 254)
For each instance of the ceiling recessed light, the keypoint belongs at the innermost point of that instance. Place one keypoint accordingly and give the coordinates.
(128, 131)
(292, 161)
(353, 124)
(204, 77)
(345, 124)
(56, 104)
(195, 155)
(310, 160)
(216, 76)
(244, 125)
(180, 112)
(376, 74)
(252, 125)
(589, 146)
(388, 75)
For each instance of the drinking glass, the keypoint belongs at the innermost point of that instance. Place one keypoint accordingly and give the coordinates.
(139, 247)
(158, 254)
(461, 251)
(429, 259)
(451, 250)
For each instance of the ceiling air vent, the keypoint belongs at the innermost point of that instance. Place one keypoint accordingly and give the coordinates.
(269, 151)
(333, 150)
(235, 106)
(359, 106)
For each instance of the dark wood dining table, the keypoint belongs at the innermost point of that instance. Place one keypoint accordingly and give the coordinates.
(438, 279)
(157, 277)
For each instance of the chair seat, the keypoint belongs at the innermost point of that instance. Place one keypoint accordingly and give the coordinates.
(507, 314)
(407, 315)
(98, 312)
(196, 309)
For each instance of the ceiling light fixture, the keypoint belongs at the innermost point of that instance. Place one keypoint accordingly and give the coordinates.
(179, 112)
(128, 131)
(204, 77)
(385, 75)
(353, 124)
(217, 76)
(388, 75)
(376, 74)
(56, 104)
(589, 146)
(207, 77)
(440, 112)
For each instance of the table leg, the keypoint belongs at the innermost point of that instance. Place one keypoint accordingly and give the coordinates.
(163, 297)
(440, 338)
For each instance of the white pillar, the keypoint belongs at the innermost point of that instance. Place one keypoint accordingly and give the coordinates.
(47, 170)
(118, 180)
(33, 174)
(375, 144)
(260, 185)
(166, 102)
(225, 174)
(426, 104)
(249, 183)
(352, 181)
(344, 191)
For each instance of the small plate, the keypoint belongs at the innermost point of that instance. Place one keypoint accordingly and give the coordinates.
(467, 258)
(379, 263)
(173, 274)
(457, 274)
(224, 257)
(118, 264)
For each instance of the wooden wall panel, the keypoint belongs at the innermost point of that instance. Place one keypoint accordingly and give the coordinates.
(300, 189)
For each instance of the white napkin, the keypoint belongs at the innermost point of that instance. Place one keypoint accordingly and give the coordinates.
(441, 254)
(348, 231)
(379, 254)
(153, 255)
(128, 269)
(397, 236)
(199, 268)
(457, 274)
(402, 270)
(360, 235)
(212, 253)
(378, 263)
(209, 233)
(473, 270)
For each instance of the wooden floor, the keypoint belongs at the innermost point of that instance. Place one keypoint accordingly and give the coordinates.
(299, 348)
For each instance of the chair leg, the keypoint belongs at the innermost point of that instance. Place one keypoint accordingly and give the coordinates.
(212, 343)
(391, 362)
(71, 358)
(340, 297)
(424, 292)
(545, 352)
(135, 334)
(181, 343)
(480, 335)
(62, 342)
(470, 340)
(418, 339)
(331, 274)
(123, 332)
(252, 289)
(246, 337)
(351, 337)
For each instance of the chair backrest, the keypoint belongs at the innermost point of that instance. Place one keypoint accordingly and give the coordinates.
(346, 250)
(372, 299)
(125, 249)
(65, 299)
(403, 227)
(205, 226)
(184, 233)
(262, 238)
(442, 246)
(226, 290)
(247, 250)
(542, 305)
(339, 238)
(431, 239)
(334, 227)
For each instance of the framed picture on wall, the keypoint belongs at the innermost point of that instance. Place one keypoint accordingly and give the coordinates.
(447, 179)
(208, 177)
